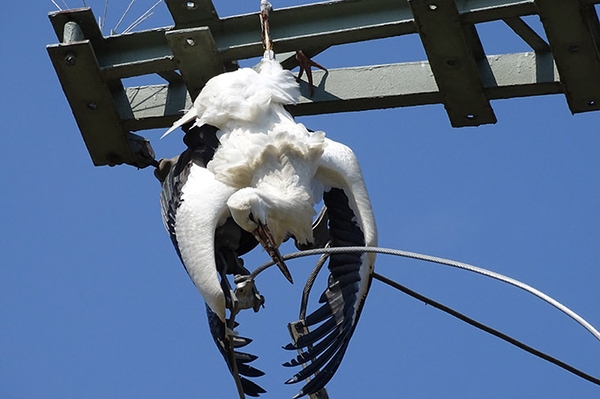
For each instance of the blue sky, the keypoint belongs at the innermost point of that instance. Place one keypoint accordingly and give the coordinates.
(94, 302)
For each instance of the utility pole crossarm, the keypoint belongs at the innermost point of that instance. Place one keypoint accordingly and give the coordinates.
(457, 73)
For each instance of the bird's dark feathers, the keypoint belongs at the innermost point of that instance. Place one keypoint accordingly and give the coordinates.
(226, 347)
(326, 344)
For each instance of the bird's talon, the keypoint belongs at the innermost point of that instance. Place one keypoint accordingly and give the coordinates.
(247, 295)
(306, 64)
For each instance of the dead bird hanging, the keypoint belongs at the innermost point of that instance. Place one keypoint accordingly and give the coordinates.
(251, 174)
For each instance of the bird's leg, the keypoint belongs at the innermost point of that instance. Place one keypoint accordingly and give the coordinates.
(265, 9)
(245, 289)
(306, 64)
(231, 301)
(245, 295)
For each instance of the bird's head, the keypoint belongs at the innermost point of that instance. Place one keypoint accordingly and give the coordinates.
(248, 210)
(255, 213)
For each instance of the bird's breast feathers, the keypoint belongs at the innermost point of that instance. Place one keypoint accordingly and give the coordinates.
(244, 158)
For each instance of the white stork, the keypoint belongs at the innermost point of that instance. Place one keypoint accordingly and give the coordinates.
(251, 173)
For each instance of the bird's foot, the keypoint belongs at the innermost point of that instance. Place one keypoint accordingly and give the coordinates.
(306, 64)
(247, 294)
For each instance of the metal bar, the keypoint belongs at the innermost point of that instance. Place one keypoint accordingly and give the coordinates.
(373, 87)
(156, 106)
(530, 36)
(238, 37)
(90, 67)
(575, 51)
(93, 107)
(196, 56)
(452, 61)
(170, 76)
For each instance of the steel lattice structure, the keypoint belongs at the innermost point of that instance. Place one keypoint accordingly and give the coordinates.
(457, 73)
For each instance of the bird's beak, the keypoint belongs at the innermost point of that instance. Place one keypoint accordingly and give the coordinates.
(263, 235)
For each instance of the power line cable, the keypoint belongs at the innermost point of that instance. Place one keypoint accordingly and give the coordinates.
(444, 308)
(486, 328)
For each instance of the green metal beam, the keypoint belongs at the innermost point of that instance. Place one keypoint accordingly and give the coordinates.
(238, 37)
(374, 87)
(196, 56)
(93, 105)
(458, 73)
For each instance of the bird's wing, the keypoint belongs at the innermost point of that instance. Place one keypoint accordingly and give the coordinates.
(227, 345)
(192, 202)
(351, 223)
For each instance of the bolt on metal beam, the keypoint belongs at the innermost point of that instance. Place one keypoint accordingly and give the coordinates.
(196, 56)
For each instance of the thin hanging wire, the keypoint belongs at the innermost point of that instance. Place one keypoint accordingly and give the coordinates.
(56, 5)
(142, 18)
(309, 284)
(103, 20)
(114, 30)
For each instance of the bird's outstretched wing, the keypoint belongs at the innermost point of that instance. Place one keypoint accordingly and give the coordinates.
(223, 242)
(351, 223)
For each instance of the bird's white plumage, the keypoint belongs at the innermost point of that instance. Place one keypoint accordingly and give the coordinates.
(267, 173)
(203, 208)
(262, 149)
(242, 97)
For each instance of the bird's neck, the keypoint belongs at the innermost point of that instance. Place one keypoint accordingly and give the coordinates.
(291, 196)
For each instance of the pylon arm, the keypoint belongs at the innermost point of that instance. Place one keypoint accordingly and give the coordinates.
(457, 73)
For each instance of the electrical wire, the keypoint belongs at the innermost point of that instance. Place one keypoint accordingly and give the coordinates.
(486, 328)
(460, 265)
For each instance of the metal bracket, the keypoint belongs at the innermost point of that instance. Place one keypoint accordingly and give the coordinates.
(570, 27)
(453, 62)
(196, 56)
(93, 108)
